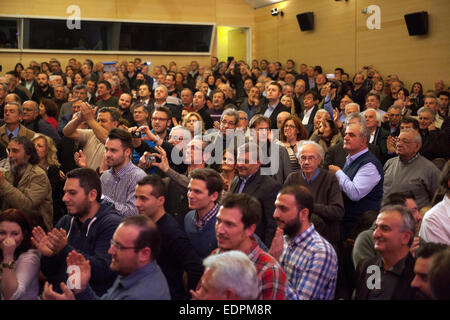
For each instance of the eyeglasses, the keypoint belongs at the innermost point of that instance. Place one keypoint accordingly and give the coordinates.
(289, 126)
(120, 247)
(405, 141)
(159, 119)
(224, 122)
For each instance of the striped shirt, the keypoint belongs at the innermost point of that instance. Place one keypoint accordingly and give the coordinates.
(271, 277)
(310, 263)
(118, 188)
(201, 222)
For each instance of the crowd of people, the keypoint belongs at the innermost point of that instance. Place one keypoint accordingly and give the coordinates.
(222, 181)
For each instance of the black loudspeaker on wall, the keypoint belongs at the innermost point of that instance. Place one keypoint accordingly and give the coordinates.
(306, 21)
(417, 23)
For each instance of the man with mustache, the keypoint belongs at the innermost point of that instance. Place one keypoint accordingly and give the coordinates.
(26, 186)
(309, 260)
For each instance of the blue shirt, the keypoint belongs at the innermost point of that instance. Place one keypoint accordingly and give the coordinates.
(15, 132)
(314, 177)
(118, 188)
(310, 264)
(146, 283)
(363, 182)
(270, 109)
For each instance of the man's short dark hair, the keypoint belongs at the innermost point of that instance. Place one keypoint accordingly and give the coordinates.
(339, 69)
(411, 120)
(444, 93)
(122, 135)
(398, 198)
(314, 94)
(149, 235)
(303, 197)
(166, 110)
(88, 180)
(159, 188)
(213, 180)
(80, 87)
(429, 249)
(376, 95)
(249, 206)
(257, 119)
(439, 276)
(43, 73)
(274, 83)
(318, 69)
(106, 83)
(114, 112)
(219, 91)
(28, 147)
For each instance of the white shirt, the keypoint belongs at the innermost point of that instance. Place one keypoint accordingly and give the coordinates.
(306, 116)
(435, 225)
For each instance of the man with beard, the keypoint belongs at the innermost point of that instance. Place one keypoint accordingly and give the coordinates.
(134, 250)
(43, 90)
(87, 228)
(309, 260)
(124, 107)
(422, 268)
(119, 181)
(26, 186)
(235, 226)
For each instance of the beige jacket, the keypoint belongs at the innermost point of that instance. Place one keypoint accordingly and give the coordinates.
(33, 194)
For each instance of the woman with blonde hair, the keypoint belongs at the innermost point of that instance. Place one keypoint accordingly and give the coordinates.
(288, 102)
(194, 123)
(48, 161)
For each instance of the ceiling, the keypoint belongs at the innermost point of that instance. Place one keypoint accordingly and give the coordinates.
(256, 4)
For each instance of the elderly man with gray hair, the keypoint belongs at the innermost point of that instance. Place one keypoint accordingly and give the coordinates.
(228, 276)
(328, 204)
(361, 178)
(411, 169)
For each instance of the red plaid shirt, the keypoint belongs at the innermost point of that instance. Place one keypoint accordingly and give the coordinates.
(271, 276)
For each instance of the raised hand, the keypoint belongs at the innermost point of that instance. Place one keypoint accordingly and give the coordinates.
(8, 246)
(41, 241)
(50, 294)
(77, 259)
(58, 239)
(80, 159)
(277, 246)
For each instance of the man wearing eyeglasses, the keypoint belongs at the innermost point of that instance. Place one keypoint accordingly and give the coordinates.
(411, 169)
(134, 250)
(324, 186)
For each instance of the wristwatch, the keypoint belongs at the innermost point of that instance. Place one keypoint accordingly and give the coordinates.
(9, 265)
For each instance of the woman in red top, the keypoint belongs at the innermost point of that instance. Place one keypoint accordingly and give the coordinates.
(48, 110)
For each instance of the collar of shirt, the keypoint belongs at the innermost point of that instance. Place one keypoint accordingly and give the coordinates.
(414, 158)
(252, 253)
(201, 222)
(297, 241)
(352, 158)
(314, 177)
(123, 171)
(15, 132)
(396, 269)
(130, 280)
(273, 106)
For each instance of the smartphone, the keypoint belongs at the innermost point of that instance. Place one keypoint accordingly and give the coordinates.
(109, 67)
(330, 75)
(147, 63)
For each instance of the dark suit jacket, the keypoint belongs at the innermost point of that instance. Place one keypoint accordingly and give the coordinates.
(310, 126)
(273, 117)
(265, 189)
(403, 290)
